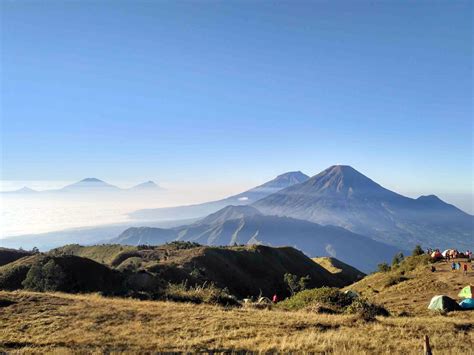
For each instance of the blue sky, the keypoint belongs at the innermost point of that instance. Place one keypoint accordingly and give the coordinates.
(238, 91)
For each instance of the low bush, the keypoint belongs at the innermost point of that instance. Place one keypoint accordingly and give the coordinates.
(184, 245)
(325, 296)
(366, 310)
(412, 262)
(333, 301)
(383, 267)
(207, 293)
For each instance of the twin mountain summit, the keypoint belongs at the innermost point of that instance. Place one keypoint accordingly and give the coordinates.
(338, 212)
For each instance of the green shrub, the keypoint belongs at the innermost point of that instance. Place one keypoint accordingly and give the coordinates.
(328, 296)
(366, 310)
(418, 250)
(184, 245)
(383, 267)
(294, 284)
(207, 293)
(44, 277)
(397, 259)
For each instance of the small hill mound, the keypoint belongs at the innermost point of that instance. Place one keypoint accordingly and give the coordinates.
(410, 286)
(243, 270)
(247, 271)
(65, 273)
(9, 255)
(346, 273)
(13, 274)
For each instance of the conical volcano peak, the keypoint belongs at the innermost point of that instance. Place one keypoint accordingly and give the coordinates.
(285, 180)
(148, 185)
(342, 180)
(94, 180)
(297, 175)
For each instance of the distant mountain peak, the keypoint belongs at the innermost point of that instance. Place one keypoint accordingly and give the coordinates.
(148, 185)
(283, 180)
(293, 174)
(91, 180)
(24, 190)
(89, 183)
(343, 179)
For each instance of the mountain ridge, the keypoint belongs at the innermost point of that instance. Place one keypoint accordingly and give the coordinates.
(203, 209)
(246, 225)
(342, 196)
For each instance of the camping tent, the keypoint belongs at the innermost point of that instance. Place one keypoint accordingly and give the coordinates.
(447, 251)
(436, 255)
(443, 303)
(467, 292)
(352, 294)
(468, 303)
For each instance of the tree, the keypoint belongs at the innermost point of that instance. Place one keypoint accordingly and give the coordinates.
(45, 277)
(291, 282)
(35, 250)
(383, 267)
(417, 251)
(294, 284)
(397, 259)
(303, 283)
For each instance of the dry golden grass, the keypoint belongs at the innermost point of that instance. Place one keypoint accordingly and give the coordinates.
(43, 322)
(414, 294)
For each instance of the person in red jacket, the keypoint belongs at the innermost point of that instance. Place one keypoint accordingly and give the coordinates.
(464, 268)
(275, 298)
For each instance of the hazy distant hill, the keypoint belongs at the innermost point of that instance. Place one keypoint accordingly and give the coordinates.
(246, 225)
(342, 196)
(90, 185)
(24, 191)
(146, 186)
(200, 210)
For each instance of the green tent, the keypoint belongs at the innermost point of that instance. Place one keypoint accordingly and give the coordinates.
(443, 303)
(467, 292)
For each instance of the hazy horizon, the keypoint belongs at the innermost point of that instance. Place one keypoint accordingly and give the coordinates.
(42, 213)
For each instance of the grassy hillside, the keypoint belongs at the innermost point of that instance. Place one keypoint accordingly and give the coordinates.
(45, 322)
(346, 273)
(242, 271)
(10, 255)
(13, 274)
(104, 253)
(410, 287)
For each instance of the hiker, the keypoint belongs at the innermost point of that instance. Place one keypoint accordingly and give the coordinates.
(453, 266)
(433, 269)
(275, 298)
(464, 269)
(458, 266)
